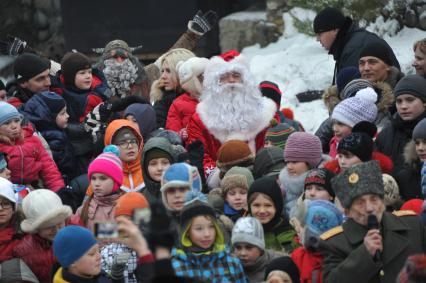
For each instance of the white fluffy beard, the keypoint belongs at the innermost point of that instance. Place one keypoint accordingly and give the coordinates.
(235, 111)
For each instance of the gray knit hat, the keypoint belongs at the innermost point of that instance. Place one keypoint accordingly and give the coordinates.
(411, 84)
(364, 178)
(248, 230)
(236, 177)
(356, 109)
(353, 87)
(419, 131)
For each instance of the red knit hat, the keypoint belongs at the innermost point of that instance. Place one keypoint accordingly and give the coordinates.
(415, 205)
(129, 202)
(109, 164)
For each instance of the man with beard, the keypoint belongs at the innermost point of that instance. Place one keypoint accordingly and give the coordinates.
(231, 108)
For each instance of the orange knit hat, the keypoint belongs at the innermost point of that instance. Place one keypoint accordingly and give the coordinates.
(128, 202)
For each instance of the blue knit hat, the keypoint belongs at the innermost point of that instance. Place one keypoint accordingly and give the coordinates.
(71, 243)
(8, 112)
(53, 101)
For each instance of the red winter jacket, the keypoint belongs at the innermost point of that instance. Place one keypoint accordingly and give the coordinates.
(309, 265)
(37, 253)
(198, 131)
(29, 161)
(8, 241)
(180, 112)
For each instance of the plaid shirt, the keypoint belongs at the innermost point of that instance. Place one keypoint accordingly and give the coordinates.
(218, 267)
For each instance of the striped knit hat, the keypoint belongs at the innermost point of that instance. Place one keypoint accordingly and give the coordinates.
(109, 164)
(279, 134)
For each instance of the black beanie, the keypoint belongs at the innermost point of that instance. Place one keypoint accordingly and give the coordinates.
(322, 178)
(359, 144)
(54, 102)
(328, 19)
(271, 91)
(378, 50)
(286, 264)
(411, 84)
(28, 66)
(268, 186)
(71, 63)
(193, 209)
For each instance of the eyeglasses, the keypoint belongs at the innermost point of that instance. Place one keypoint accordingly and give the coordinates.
(127, 144)
(5, 205)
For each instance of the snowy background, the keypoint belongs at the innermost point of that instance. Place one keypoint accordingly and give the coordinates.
(297, 62)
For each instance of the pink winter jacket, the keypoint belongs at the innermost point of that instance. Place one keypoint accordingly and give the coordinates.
(29, 161)
(99, 209)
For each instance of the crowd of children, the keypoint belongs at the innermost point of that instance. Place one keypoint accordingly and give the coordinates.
(228, 188)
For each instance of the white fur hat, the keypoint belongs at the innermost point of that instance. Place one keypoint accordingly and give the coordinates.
(43, 208)
(191, 68)
(6, 190)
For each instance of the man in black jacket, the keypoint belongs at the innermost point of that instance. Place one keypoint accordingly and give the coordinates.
(344, 39)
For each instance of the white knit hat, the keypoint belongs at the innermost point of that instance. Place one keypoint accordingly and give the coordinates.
(248, 230)
(43, 208)
(6, 190)
(356, 109)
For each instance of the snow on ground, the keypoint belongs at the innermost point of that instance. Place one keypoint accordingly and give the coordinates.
(297, 62)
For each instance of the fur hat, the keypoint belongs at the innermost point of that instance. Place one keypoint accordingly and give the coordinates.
(248, 230)
(236, 177)
(305, 147)
(8, 112)
(109, 164)
(358, 180)
(378, 50)
(232, 153)
(411, 84)
(328, 19)
(71, 243)
(128, 202)
(189, 71)
(71, 63)
(28, 65)
(43, 208)
(391, 190)
(353, 110)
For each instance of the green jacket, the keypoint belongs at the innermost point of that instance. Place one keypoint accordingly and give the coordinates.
(281, 237)
(346, 258)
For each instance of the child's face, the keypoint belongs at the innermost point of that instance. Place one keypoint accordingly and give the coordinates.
(297, 168)
(341, 130)
(62, 118)
(263, 208)
(129, 150)
(6, 212)
(88, 265)
(83, 79)
(202, 232)
(237, 198)
(421, 149)
(102, 185)
(278, 276)
(11, 129)
(347, 160)
(176, 197)
(5, 173)
(248, 254)
(168, 77)
(156, 167)
(409, 107)
(315, 192)
(49, 233)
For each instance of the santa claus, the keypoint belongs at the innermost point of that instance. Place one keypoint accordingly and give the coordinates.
(231, 108)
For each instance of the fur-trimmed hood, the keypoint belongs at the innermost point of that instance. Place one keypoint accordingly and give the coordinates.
(410, 155)
(394, 76)
(331, 96)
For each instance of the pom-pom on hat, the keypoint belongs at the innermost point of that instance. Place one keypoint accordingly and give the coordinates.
(305, 147)
(353, 110)
(109, 164)
(71, 243)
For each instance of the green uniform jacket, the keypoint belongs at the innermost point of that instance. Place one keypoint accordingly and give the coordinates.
(346, 258)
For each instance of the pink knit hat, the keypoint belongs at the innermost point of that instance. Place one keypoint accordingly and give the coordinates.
(109, 164)
(304, 147)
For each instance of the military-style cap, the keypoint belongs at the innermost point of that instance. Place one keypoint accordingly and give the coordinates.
(358, 180)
